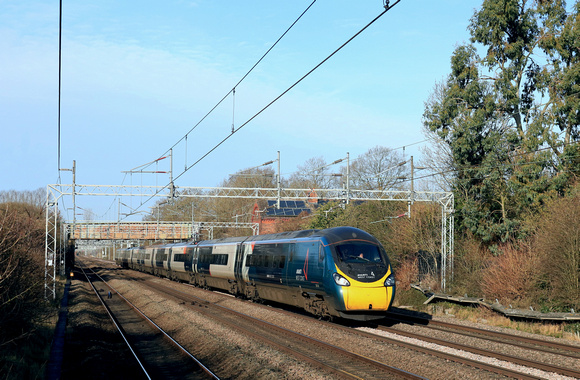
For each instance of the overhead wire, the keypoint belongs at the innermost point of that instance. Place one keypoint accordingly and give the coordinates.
(354, 159)
(233, 90)
(387, 8)
(289, 88)
(474, 167)
(59, 81)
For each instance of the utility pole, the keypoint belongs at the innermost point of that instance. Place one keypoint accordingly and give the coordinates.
(347, 177)
(412, 195)
(172, 188)
(278, 182)
(71, 239)
(73, 170)
(74, 180)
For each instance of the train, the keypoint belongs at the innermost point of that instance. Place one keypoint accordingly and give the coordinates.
(335, 272)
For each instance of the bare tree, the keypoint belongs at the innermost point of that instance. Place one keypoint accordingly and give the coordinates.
(35, 197)
(21, 269)
(378, 169)
(438, 159)
(315, 173)
(438, 162)
(236, 209)
(88, 214)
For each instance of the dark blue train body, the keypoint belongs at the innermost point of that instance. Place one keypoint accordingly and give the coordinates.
(336, 272)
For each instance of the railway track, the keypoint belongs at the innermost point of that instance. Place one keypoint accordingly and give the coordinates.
(509, 339)
(550, 351)
(327, 357)
(159, 356)
(546, 346)
(296, 346)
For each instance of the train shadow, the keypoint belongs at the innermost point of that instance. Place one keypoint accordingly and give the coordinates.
(395, 316)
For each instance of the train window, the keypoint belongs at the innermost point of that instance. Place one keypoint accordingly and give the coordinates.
(358, 253)
(250, 260)
(266, 261)
(254, 260)
(270, 255)
(179, 258)
(218, 259)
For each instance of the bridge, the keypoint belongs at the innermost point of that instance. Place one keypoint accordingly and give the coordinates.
(151, 230)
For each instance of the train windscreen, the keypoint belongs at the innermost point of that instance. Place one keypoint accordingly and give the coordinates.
(361, 261)
(357, 253)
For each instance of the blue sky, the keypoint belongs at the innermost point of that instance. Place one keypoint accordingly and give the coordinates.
(137, 76)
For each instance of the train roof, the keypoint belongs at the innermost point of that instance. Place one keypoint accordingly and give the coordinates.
(332, 235)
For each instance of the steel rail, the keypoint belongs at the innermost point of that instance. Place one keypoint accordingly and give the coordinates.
(480, 351)
(284, 332)
(117, 326)
(176, 343)
(425, 350)
(446, 326)
(443, 355)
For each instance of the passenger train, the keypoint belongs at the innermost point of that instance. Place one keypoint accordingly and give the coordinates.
(336, 272)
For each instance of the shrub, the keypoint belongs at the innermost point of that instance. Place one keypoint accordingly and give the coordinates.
(512, 275)
(470, 260)
(406, 274)
(558, 243)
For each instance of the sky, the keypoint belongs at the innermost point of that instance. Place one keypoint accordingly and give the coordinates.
(138, 76)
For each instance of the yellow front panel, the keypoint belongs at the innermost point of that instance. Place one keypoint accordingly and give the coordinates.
(359, 298)
(359, 295)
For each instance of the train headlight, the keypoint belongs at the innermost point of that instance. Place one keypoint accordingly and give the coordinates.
(390, 281)
(340, 280)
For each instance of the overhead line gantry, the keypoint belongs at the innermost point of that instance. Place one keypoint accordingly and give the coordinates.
(56, 191)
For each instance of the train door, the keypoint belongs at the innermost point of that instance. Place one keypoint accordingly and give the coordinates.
(169, 257)
(149, 263)
(307, 269)
(238, 269)
(158, 260)
(188, 263)
(289, 254)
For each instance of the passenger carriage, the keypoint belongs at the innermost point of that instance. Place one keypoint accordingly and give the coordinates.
(336, 272)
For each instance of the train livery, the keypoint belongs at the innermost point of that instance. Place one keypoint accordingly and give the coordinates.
(336, 272)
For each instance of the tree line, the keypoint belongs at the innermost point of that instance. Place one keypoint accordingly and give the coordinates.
(507, 121)
(24, 313)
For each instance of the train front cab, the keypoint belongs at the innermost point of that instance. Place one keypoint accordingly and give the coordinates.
(363, 280)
